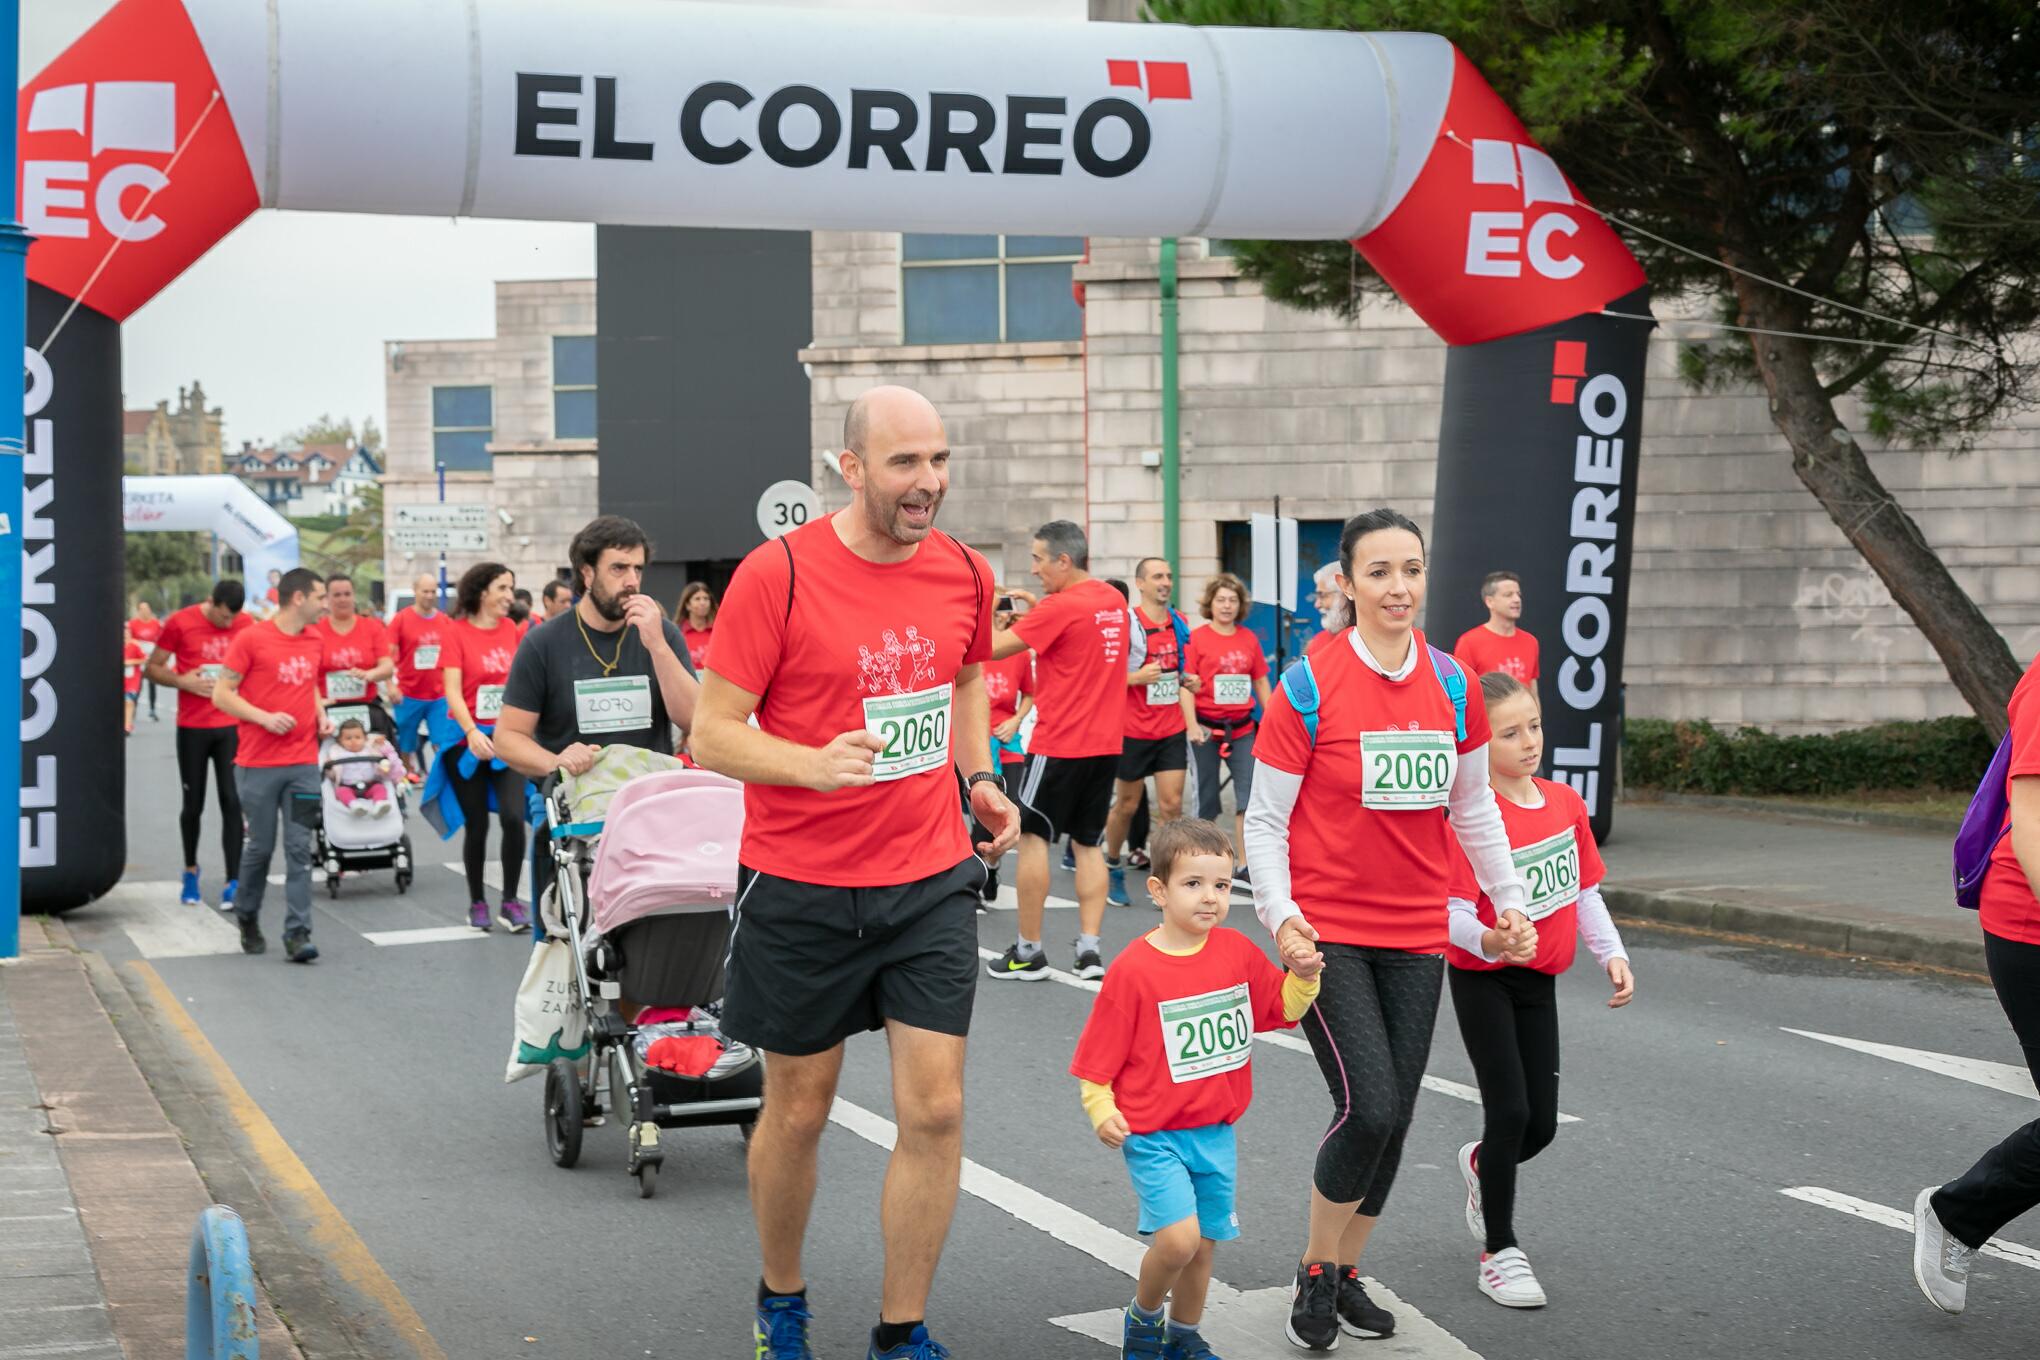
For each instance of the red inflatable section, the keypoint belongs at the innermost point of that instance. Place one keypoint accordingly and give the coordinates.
(1493, 239)
(100, 128)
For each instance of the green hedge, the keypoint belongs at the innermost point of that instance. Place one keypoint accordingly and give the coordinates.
(1696, 757)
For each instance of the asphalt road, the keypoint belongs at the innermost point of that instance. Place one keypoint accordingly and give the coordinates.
(1659, 1222)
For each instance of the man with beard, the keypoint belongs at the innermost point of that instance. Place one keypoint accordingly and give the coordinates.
(858, 641)
(611, 671)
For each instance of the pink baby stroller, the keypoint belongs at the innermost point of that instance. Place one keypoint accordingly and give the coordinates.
(646, 898)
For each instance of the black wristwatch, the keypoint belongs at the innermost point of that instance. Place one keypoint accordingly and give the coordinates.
(981, 777)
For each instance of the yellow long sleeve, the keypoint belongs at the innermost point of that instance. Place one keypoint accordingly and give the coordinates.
(1297, 996)
(1097, 1098)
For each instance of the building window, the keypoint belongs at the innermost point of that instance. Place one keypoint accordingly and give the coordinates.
(463, 421)
(573, 387)
(968, 290)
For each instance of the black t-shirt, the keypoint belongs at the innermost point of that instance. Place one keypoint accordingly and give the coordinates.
(556, 675)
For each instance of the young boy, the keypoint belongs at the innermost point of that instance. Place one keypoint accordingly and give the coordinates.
(1163, 1066)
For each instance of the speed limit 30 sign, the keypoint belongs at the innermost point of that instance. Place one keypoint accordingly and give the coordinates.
(786, 506)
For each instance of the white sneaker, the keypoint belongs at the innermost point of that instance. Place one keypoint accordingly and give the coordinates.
(1940, 1259)
(1476, 1222)
(1506, 1278)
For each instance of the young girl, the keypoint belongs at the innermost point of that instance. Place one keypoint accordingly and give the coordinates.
(1504, 978)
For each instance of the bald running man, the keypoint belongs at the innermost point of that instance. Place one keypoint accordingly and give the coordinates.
(858, 643)
(421, 687)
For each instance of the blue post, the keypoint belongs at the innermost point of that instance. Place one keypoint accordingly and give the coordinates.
(219, 1298)
(442, 555)
(13, 340)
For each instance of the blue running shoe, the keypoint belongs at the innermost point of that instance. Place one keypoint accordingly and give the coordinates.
(919, 1346)
(1187, 1344)
(227, 894)
(1115, 888)
(189, 897)
(780, 1329)
(1144, 1338)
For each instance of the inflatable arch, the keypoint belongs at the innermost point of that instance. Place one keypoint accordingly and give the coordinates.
(172, 120)
(218, 505)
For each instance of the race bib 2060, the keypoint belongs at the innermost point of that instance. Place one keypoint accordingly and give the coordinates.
(914, 728)
(1550, 869)
(1208, 1034)
(1405, 771)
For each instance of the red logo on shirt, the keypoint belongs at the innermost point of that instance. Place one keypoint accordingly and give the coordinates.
(898, 667)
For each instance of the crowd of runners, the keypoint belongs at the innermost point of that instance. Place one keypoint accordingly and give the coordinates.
(900, 720)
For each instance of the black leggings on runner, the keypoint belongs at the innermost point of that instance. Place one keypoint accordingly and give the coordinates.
(1509, 1019)
(473, 796)
(198, 748)
(2005, 1182)
(1371, 1031)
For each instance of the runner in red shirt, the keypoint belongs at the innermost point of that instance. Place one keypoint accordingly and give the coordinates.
(858, 643)
(1232, 675)
(415, 646)
(1335, 611)
(1157, 720)
(1952, 1221)
(471, 780)
(1079, 632)
(1362, 750)
(696, 616)
(131, 659)
(1009, 685)
(269, 683)
(1500, 644)
(354, 659)
(147, 630)
(188, 657)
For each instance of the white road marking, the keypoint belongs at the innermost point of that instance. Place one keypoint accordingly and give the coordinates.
(424, 935)
(161, 927)
(1246, 1325)
(1009, 900)
(492, 872)
(1283, 1039)
(1902, 1220)
(1998, 1076)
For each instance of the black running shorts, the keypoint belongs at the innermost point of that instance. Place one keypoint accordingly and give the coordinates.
(1067, 796)
(811, 965)
(1143, 756)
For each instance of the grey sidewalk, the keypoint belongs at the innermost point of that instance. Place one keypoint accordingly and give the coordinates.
(1872, 891)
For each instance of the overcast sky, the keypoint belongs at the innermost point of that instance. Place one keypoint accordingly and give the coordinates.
(285, 319)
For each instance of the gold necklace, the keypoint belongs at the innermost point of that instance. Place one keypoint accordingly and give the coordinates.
(609, 666)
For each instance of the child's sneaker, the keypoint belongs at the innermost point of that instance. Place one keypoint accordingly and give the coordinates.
(190, 897)
(478, 915)
(1143, 1338)
(1358, 1314)
(919, 1346)
(1506, 1278)
(1469, 1168)
(780, 1330)
(1186, 1344)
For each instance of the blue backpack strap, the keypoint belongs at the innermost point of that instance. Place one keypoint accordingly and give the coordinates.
(1182, 626)
(1453, 678)
(1300, 684)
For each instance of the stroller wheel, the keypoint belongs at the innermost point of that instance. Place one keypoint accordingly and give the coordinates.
(403, 880)
(563, 1112)
(647, 1180)
(333, 884)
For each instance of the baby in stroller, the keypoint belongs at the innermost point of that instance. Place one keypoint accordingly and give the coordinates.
(359, 763)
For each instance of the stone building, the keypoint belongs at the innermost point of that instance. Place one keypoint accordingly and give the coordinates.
(163, 442)
(511, 417)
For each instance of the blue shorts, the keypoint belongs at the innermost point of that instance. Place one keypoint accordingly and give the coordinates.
(413, 714)
(1178, 1173)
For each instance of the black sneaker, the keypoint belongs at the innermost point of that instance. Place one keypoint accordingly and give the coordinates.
(1010, 967)
(1090, 966)
(989, 890)
(1358, 1314)
(1314, 1315)
(298, 946)
(251, 937)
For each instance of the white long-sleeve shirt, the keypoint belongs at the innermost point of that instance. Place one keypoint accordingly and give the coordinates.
(1475, 817)
(1597, 928)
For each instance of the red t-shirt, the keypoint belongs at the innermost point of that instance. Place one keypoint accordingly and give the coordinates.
(131, 666)
(279, 673)
(697, 643)
(194, 642)
(1143, 1038)
(410, 633)
(1153, 711)
(1484, 650)
(483, 656)
(871, 645)
(1079, 638)
(1005, 682)
(1322, 641)
(1372, 867)
(2007, 907)
(1213, 654)
(1555, 853)
(148, 632)
(360, 648)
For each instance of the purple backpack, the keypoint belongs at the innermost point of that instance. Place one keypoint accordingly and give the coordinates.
(1983, 826)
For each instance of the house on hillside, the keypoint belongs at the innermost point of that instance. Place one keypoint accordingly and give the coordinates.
(303, 480)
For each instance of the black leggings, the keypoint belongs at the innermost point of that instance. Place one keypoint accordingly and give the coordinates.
(473, 796)
(1509, 1019)
(198, 748)
(1371, 1031)
(2005, 1182)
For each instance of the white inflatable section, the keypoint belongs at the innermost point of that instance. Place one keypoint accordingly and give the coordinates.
(398, 106)
(217, 505)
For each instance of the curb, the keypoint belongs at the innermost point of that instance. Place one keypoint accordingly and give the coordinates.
(1811, 812)
(1783, 925)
